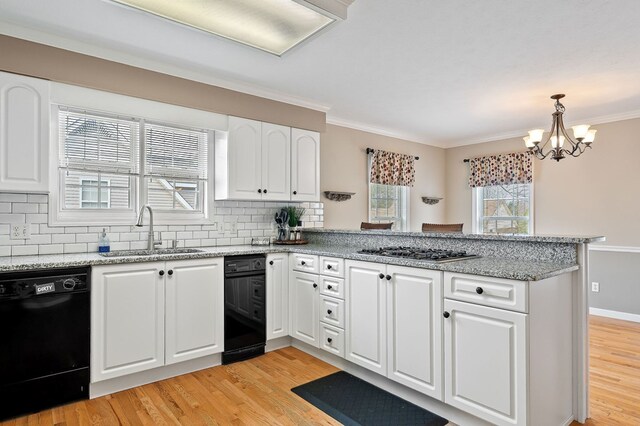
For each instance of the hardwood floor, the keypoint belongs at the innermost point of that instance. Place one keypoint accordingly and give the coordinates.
(258, 391)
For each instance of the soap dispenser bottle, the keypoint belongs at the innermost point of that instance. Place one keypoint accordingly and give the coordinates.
(103, 242)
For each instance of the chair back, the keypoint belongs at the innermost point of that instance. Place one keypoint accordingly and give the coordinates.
(368, 225)
(442, 227)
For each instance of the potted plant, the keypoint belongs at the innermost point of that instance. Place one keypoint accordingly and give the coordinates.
(295, 215)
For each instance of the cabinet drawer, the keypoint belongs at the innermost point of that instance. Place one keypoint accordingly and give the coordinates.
(333, 287)
(332, 266)
(332, 311)
(332, 339)
(495, 292)
(305, 263)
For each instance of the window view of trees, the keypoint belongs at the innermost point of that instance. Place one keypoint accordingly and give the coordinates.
(505, 209)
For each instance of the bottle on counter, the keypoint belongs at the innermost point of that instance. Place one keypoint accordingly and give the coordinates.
(104, 246)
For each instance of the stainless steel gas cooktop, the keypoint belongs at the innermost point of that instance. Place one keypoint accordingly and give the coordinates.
(432, 255)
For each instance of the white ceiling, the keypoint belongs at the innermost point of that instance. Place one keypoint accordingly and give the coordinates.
(440, 72)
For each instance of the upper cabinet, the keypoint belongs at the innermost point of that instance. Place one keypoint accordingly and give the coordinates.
(305, 165)
(264, 161)
(24, 134)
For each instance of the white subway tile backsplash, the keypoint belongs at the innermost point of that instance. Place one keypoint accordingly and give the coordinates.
(13, 198)
(29, 250)
(75, 248)
(249, 218)
(38, 198)
(63, 238)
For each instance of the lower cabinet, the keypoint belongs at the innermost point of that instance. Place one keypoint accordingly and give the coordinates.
(394, 323)
(303, 293)
(146, 315)
(277, 276)
(485, 357)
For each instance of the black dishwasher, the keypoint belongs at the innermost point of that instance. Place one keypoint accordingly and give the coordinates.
(44, 330)
(244, 307)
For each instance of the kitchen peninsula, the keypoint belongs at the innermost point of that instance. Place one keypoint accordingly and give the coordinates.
(494, 337)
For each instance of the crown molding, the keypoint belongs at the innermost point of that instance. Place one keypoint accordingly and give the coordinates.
(392, 133)
(54, 40)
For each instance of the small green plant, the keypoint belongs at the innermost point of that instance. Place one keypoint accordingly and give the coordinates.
(295, 214)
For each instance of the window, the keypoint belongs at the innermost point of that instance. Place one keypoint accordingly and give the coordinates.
(94, 194)
(504, 209)
(175, 168)
(114, 163)
(389, 203)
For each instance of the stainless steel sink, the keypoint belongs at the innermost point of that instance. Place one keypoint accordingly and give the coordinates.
(122, 253)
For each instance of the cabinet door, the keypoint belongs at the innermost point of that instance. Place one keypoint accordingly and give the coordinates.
(127, 319)
(304, 307)
(414, 326)
(366, 320)
(194, 309)
(245, 159)
(305, 165)
(485, 362)
(24, 133)
(277, 295)
(276, 162)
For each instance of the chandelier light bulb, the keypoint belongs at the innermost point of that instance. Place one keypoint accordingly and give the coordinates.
(590, 136)
(535, 135)
(557, 141)
(527, 142)
(580, 131)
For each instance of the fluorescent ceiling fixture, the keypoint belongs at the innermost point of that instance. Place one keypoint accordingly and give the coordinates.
(271, 25)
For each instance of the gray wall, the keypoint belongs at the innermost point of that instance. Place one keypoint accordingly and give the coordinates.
(619, 276)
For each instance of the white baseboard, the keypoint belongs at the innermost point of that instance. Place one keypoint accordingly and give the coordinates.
(620, 249)
(614, 314)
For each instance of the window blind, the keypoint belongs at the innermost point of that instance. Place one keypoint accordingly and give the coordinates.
(173, 152)
(98, 143)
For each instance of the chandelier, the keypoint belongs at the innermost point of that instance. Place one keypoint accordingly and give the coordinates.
(561, 143)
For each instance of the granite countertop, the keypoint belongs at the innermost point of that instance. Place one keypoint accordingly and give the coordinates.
(521, 270)
(575, 239)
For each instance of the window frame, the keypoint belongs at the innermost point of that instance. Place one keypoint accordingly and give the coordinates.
(477, 216)
(110, 104)
(98, 189)
(404, 210)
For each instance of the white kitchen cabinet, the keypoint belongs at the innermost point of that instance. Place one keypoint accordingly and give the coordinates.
(127, 326)
(305, 165)
(147, 315)
(194, 318)
(486, 362)
(277, 276)
(414, 324)
(276, 162)
(303, 288)
(253, 161)
(24, 133)
(366, 315)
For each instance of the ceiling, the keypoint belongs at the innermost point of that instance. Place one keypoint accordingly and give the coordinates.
(445, 73)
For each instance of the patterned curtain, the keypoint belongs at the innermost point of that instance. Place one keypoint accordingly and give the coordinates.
(390, 168)
(504, 169)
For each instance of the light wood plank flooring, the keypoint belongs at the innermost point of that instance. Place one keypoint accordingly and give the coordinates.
(258, 391)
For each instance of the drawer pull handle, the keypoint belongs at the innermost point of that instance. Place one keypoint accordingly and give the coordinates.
(265, 191)
(315, 285)
(255, 291)
(479, 290)
(329, 311)
(388, 277)
(170, 272)
(329, 287)
(161, 272)
(271, 262)
(329, 266)
(302, 262)
(381, 276)
(295, 192)
(329, 339)
(446, 314)
(259, 191)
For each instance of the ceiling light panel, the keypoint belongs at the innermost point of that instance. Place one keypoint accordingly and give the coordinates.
(271, 25)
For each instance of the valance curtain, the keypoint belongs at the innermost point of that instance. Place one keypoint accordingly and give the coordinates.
(504, 169)
(390, 168)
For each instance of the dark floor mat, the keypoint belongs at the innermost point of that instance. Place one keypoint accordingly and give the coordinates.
(353, 402)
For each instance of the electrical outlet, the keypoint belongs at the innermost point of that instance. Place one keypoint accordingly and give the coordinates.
(595, 287)
(21, 231)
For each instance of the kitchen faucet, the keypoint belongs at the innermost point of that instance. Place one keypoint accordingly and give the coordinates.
(151, 245)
